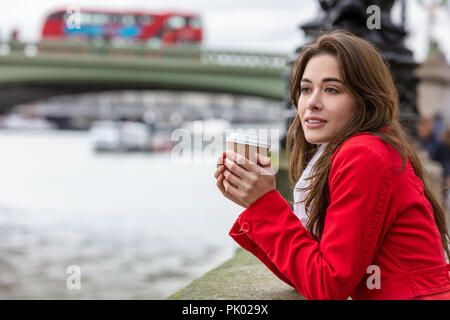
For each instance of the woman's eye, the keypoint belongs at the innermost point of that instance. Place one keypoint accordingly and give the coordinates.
(304, 89)
(331, 90)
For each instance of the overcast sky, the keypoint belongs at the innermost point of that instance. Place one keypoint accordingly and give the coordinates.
(263, 25)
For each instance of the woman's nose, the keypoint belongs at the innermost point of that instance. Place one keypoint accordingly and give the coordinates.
(314, 101)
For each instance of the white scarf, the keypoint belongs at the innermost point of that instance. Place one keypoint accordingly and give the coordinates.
(299, 208)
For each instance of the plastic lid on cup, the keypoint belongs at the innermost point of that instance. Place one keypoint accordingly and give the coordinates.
(248, 139)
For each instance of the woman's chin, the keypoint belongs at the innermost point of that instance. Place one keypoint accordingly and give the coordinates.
(315, 139)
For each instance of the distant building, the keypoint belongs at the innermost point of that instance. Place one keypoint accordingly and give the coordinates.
(434, 86)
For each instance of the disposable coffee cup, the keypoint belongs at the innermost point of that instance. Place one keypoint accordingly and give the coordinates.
(247, 145)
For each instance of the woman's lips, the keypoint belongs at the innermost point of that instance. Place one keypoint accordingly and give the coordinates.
(314, 125)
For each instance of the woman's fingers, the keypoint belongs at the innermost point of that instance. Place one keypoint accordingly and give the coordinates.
(220, 159)
(230, 188)
(239, 159)
(243, 165)
(220, 181)
(219, 170)
(220, 185)
(263, 161)
(236, 168)
(234, 180)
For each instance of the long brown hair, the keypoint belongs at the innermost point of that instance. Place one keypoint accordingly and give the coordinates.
(370, 83)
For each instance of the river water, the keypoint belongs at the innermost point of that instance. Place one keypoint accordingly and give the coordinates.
(135, 226)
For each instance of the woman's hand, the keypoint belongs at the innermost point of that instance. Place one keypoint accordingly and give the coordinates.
(220, 179)
(244, 181)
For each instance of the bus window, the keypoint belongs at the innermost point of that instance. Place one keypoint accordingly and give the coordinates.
(128, 20)
(195, 23)
(100, 19)
(176, 22)
(115, 18)
(144, 20)
(86, 18)
(56, 16)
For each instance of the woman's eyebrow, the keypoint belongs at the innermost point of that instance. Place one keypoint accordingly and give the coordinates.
(323, 80)
(331, 79)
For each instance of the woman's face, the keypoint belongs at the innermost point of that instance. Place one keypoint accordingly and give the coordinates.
(325, 106)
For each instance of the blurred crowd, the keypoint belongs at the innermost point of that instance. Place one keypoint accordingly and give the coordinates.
(434, 138)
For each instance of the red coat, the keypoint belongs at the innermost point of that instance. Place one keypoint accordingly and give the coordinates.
(376, 217)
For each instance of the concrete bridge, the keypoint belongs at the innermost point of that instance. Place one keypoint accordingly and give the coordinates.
(34, 71)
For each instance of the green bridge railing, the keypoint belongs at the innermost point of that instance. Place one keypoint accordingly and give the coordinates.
(194, 53)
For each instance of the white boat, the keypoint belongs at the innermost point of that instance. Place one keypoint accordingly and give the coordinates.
(135, 136)
(120, 136)
(105, 135)
(19, 122)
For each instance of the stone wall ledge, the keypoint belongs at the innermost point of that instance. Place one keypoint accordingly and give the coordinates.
(243, 277)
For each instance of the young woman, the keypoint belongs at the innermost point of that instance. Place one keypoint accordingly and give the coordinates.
(367, 225)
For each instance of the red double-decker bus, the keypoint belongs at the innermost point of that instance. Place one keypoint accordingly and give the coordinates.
(159, 28)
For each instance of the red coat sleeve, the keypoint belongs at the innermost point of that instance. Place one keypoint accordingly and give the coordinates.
(360, 185)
